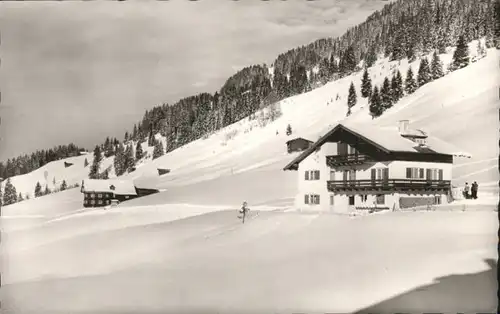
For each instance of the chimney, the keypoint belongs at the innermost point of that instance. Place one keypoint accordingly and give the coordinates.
(403, 126)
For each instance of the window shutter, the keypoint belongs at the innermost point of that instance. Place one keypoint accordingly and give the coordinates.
(317, 199)
(345, 175)
(429, 174)
(440, 174)
(306, 199)
(374, 174)
(421, 174)
(385, 174)
(408, 173)
(307, 175)
(317, 174)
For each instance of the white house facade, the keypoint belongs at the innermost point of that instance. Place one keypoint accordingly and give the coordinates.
(362, 167)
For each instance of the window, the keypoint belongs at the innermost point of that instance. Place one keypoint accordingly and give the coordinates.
(92, 202)
(415, 173)
(380, 199)
(363, 198)
(349, 175)
(92, 195)
(332, 175)
(108, 201)
(100, 202)
(351, 200)
(332, 200)
(127, 197)
(99, 195)
(434, 174)
(316, 199)
(312, 199)
(312, 175)
(437, 199)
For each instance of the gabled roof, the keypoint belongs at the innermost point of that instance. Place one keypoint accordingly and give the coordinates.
(299, 138)
(387, 139)
(120, 187)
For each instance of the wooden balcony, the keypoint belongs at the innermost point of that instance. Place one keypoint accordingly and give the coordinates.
(346, 160)
(398, 185)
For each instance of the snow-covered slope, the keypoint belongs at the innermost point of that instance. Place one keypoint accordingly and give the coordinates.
(460, 108)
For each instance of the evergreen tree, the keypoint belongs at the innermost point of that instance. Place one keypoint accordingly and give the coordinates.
(397, 87)
(158, 150)
(481, 50)
(461, 54)
(96, 163)
(366, 85)
(349, 60)
(105, 174)
(151, 138)
(38, 190)
(436, 66)
(20, 197)
(129, 158)
(386, 95)
(371, 57)
(47, 190)
(298, 79)
(125, 137)
(334, 67)
(324, 72)
(375, 103)
(410, 84)
(64, 186)
(138, 151)
(134, 132)
(424, 72)
(108, 148)
(85, 163)
(119, 160)
(288, 130)
(352, 98)
(10, 193)
(280, 84)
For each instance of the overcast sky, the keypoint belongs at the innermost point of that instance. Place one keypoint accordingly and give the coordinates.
(80, 71)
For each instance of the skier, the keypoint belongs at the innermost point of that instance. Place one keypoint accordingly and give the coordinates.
(466, 190)
(244, 209)
(474, 190)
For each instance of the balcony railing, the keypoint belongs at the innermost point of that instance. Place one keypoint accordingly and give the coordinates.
(389, 185)
(344, 160)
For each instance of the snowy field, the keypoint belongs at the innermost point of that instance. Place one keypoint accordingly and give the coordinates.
(184, 249)
(277, 261)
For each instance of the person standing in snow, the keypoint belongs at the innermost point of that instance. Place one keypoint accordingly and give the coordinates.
(244, 209)
(466, 190)
(474, 190)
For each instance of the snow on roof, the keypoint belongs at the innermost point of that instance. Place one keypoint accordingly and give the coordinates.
(443, 147)
(121, 187)
(386, 138)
